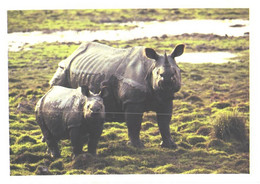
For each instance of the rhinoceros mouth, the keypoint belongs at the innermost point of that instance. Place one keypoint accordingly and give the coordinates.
(166, 86)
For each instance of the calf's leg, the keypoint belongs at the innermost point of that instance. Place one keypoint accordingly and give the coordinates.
(94, 136)
(75, 141)
(52, 143)
(53, 147)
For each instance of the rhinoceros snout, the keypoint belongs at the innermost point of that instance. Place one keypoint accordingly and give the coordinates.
(173, 79)
(97, 108)
(94, 109)
(172, 84)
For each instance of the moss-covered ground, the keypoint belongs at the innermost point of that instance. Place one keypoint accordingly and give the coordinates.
(213, 100)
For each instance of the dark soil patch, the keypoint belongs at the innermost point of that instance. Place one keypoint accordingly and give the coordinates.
(83, 161)
(29, 158)
(194, 99)
(204, 130)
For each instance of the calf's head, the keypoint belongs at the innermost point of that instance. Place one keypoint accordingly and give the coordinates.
(166, 75)
(93, 107)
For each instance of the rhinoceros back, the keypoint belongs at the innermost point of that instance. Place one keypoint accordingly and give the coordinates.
(98, 63)
(60, 77)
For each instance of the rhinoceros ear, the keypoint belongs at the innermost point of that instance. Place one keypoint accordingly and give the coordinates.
(85, 91)
(179, 49)
(150, 53)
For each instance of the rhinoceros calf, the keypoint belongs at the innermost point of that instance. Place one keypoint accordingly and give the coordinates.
(64, 113)
(136, 79)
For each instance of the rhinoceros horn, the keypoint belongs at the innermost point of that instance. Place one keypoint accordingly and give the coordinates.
(166, 62)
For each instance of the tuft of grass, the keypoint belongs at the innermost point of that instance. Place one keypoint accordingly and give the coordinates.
(75, 172)
(22, 126)
(185, 145)
(194, 99)
(220, 105)
(42, 170)
(24, 139)
(113, 170)
(57, 164)
(83, 161)
(198, 171)
(146, 125)
(216, 143)
(28, 157)
(195, 139)
(168, 168)
(230, 125)
(204, 130)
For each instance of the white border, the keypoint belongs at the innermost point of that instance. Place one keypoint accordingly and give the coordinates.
(253, 177)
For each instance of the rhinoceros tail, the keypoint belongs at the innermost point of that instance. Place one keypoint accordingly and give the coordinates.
(60, 77)
(39, 118)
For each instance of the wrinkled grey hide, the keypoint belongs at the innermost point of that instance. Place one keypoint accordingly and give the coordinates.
(70, 113)
(135, 79)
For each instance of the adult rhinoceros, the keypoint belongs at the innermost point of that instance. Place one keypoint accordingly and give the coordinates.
(135, 79)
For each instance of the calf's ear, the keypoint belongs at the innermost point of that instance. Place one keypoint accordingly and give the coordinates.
(85, 91)
(150, 53)
(104, 93)
(179, 49)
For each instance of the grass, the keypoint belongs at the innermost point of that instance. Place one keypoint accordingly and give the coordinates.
(210, 93)
(97, 19)
(230, 125)
(193, 43)
(192, 125)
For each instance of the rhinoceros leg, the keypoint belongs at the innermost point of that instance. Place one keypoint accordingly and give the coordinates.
(164, 114)
(53, 147)
(133, 115)
(94, 136)
(48, 138)
(75, 141)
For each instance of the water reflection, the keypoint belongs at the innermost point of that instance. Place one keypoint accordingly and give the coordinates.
(143, 29)
(206, 57)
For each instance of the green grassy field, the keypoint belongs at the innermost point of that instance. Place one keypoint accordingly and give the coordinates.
(210, 121)
(97, 19)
